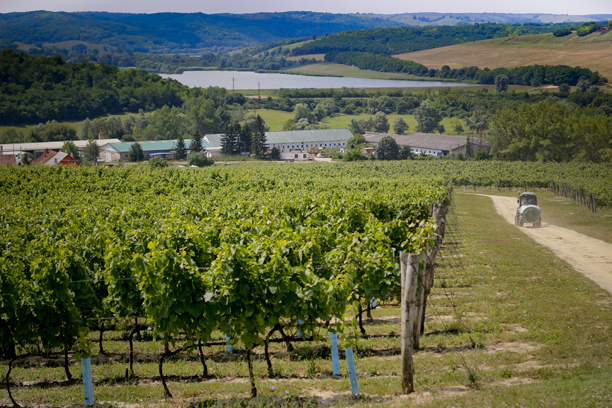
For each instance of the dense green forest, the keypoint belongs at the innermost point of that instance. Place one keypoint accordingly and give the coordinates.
(400, 40)
(172, 32)
(38, 89)
(534, 75)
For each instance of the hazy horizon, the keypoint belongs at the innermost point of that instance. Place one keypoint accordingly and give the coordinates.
(570, 7)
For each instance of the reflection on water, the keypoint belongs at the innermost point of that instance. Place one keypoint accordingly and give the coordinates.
(250, 80)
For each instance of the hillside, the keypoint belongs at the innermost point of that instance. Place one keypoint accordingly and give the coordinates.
(397, 40)
(593, 51)
(169, 32)
(438, 19)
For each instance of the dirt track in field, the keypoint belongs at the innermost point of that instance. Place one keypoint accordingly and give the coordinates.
(589, 256)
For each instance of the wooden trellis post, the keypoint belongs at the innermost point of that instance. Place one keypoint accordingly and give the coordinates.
(409, 300)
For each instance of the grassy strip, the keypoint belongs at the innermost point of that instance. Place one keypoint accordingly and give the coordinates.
(566, 213)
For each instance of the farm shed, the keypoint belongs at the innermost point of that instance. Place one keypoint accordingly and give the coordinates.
(51, 158)
(431, 143)
(37, 149)
(120, 151)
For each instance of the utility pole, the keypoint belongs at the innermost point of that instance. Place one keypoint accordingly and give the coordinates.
(233, 86)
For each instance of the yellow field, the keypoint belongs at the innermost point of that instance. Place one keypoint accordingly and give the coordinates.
(593, 51)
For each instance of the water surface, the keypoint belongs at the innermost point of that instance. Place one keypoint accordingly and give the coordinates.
(248, 80)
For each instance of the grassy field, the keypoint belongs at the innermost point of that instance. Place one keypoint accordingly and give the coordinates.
(593, 51)
(509, 324)
(332, 69)
(276, 119)
(318, 57)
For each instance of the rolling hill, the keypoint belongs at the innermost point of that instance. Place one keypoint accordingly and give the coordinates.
(593, 51)
(173, 32)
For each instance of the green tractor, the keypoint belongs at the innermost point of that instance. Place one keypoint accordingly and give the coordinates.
(528, 210)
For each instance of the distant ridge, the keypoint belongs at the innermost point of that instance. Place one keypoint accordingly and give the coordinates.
(198, 32)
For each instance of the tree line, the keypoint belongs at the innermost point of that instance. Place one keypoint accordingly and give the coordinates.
(38, 89)
(533, 75)
(552, 133)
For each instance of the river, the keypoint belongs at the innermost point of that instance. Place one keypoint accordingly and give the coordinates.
(247, 80)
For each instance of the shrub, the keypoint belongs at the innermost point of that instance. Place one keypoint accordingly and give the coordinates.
(353, 155)
(158, 163)
(562, 32)
(199, 159)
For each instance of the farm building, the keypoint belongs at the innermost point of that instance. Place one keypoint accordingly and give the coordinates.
(431, 143)
(8, 160)
(296, 155)
(51, 158)
(37, 149)
(120, 151)
(296, 139)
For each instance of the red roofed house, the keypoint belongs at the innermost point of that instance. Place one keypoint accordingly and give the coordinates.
(8, 160)
(51, 158)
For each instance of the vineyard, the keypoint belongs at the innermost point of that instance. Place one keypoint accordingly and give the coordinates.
(257, 257)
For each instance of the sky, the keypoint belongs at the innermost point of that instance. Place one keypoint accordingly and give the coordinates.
(333, 6)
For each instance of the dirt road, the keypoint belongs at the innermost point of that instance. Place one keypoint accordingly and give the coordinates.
(589, 256)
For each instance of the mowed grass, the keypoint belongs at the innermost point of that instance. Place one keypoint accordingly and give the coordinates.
(593, 51)
(530, 329)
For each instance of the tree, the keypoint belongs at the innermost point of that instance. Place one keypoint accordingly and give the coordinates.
(196, 143)
(458, 126)
(361, 126)
(10, 135)
(91, 151)
(179, 148)
(583, 85)
(482, 155)
(387, 149)
(400, 126)
(58, 132)
(406, 153)
(259, 142)
(168, 123)
(479, 121)
(208, 113)
(564, 88)
(381, 123)
(158, 163)
(72, 150)
(289, 125)
(300, 111)
(355, 141)
(428, 118)
(229, 139)
(501, 83)
(136, 154)
(199, 159)
(354, 155)
(302, 124)
(275, 153)
(468, 147)
(245, 136)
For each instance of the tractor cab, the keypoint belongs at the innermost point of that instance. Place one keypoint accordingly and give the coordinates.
(528, 210)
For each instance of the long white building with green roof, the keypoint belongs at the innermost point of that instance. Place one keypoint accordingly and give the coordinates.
(285, 141)
(120, 151)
